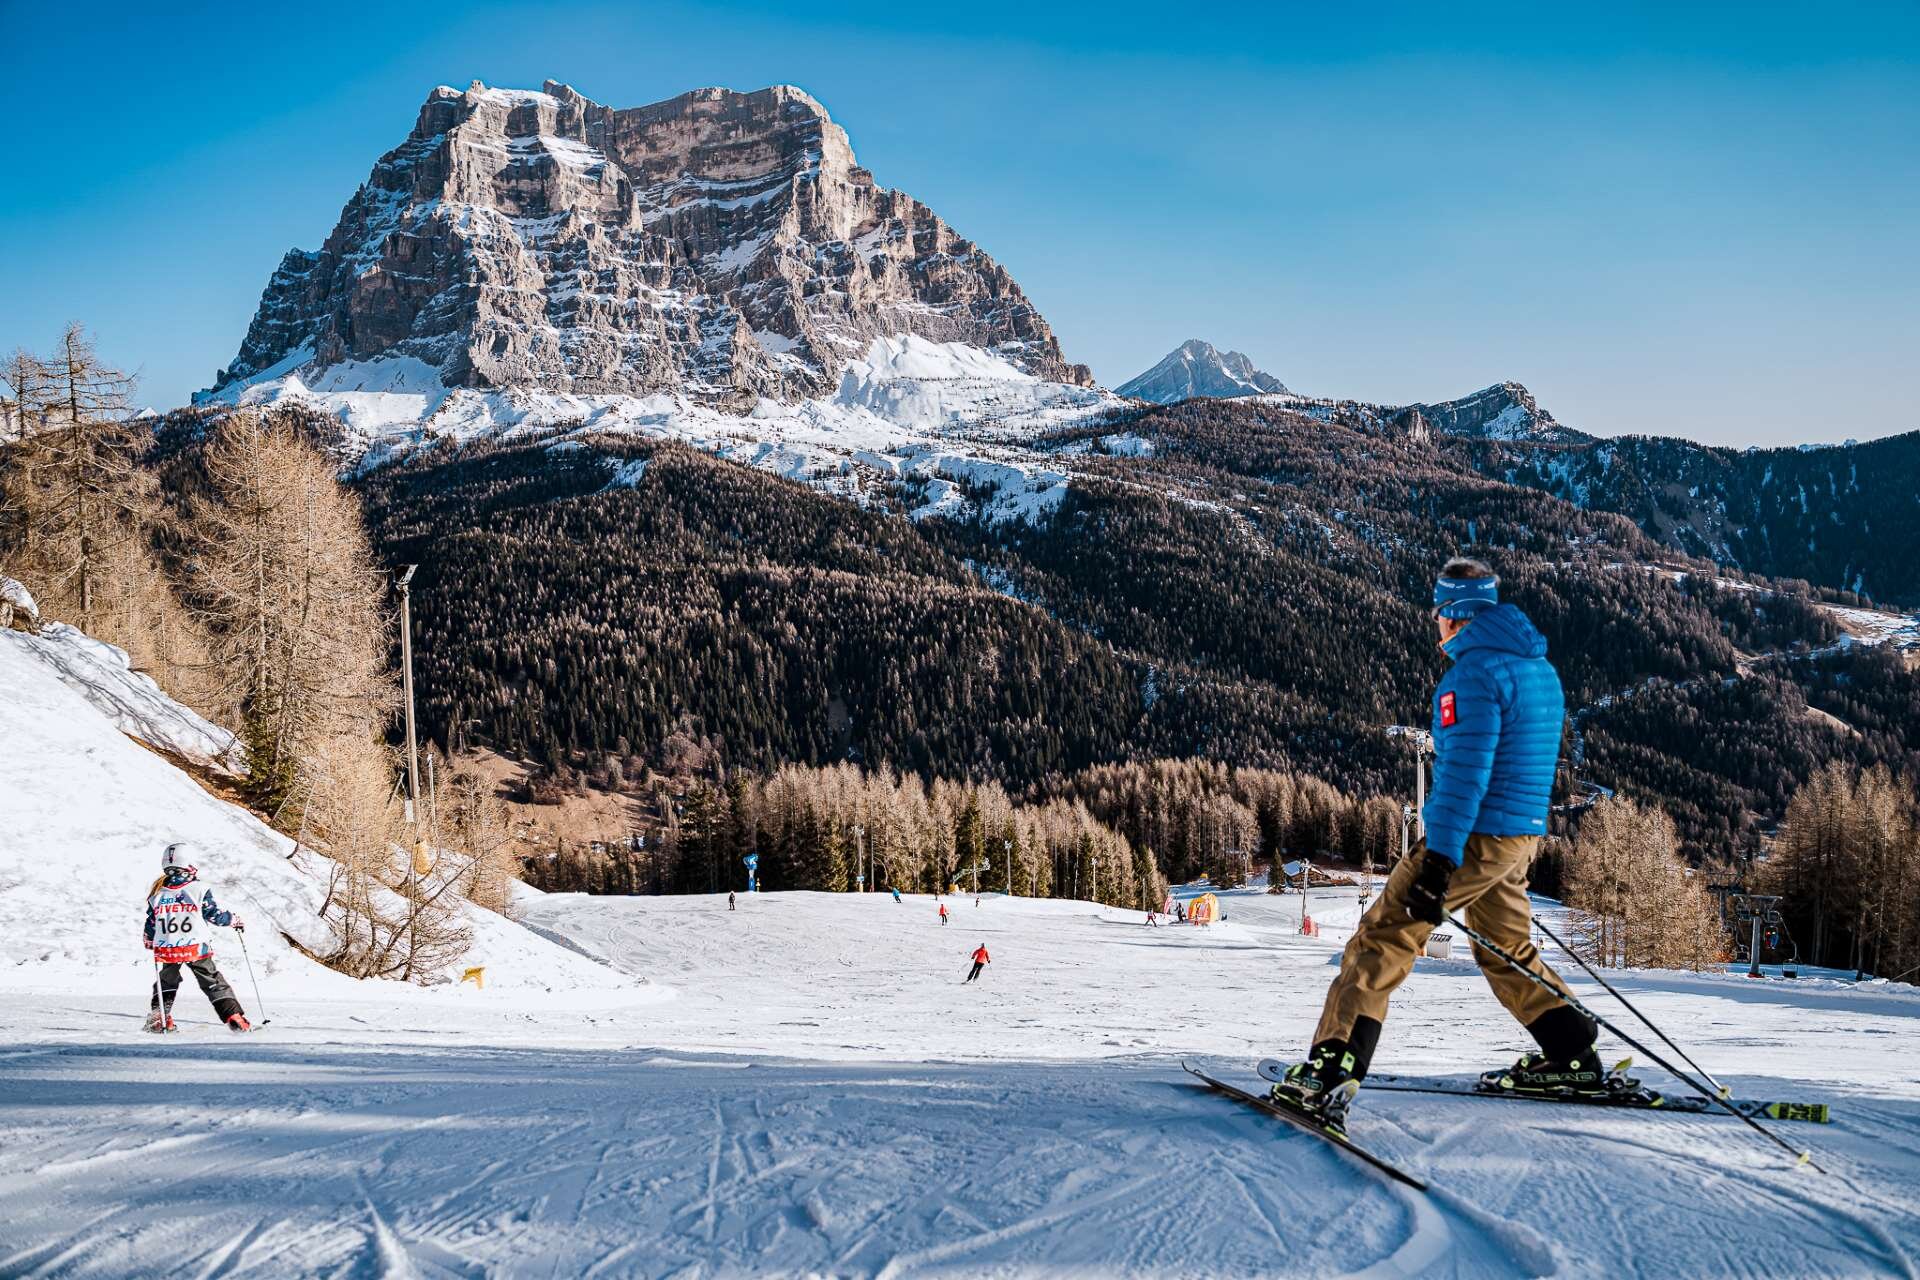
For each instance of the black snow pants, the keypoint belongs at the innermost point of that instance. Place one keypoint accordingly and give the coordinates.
(977, 966)
(208, 975)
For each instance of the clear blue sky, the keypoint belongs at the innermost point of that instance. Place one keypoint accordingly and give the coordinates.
(1678, 219)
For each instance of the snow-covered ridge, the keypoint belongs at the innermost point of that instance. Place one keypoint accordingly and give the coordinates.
(949, 423)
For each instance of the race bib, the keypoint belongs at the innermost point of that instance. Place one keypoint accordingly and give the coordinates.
(178, 931)
(1447, 713)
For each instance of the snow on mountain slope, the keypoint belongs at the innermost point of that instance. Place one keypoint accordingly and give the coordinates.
(85, 813)
(908, 410)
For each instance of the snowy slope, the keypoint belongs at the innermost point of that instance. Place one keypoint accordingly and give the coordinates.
(826, 1097)
(653, 1086)
(943, 414)
(85, 813)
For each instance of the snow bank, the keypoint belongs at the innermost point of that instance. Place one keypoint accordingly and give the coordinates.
(103, 675)
(85, 813)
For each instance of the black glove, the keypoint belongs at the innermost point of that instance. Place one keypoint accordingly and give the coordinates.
(238, 926)
(1427, 895)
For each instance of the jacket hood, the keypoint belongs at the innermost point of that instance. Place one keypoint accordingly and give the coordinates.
(1503, 629)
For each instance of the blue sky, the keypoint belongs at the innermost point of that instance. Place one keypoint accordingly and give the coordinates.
(1691, 220)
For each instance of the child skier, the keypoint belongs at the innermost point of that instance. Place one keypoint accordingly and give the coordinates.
(177, 933)
(896, 895)
(980, 959)
(943, 913)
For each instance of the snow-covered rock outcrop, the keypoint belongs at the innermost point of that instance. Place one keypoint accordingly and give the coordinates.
(17, 605)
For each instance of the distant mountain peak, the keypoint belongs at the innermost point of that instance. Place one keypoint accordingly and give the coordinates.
(1197, 368)
(1504, 411)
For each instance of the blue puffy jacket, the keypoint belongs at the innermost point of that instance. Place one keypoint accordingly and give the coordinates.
(1497, 717)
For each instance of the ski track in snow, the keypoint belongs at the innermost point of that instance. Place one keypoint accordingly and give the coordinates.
(785, 1112)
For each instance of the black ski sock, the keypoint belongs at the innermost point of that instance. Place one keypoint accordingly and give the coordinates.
(1361, 1042)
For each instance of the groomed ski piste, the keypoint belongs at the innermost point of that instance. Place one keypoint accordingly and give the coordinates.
(658, 1086)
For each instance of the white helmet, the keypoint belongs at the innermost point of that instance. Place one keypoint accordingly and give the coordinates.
(178, 854)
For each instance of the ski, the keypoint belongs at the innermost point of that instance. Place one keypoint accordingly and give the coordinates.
(1639, 1100)
(1642, 1099)
(1305, 1125)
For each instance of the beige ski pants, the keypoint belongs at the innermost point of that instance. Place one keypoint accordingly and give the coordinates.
(1491, 885)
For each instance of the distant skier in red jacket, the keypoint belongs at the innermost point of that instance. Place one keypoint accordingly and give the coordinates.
(943, 913)
(980, 960)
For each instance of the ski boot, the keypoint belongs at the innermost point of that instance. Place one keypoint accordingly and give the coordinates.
(1582, 1076)
(238, 1022)
(1321, 1088)
(158, 1023)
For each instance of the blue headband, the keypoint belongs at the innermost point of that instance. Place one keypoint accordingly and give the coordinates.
(1461, 598)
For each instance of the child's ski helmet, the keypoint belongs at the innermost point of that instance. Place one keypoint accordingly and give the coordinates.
(178, 854)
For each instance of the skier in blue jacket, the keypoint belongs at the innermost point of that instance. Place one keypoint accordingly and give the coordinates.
(180, 914)
(1497, 719)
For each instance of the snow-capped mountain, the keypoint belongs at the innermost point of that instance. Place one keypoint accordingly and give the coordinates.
(719, 245)
(1505, 411)
(1197, 368)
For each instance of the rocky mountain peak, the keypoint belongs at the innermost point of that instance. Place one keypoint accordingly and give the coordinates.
(1196, 368)
(1504, 411)
(720, 244)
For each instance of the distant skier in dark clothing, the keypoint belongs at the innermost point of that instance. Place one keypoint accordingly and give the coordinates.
(980, 961)
(729, 899)
(178, 913)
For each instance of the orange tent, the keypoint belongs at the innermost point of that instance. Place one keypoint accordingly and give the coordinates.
(1204, 909)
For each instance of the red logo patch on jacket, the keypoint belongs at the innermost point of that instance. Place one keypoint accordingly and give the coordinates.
(1447, 713)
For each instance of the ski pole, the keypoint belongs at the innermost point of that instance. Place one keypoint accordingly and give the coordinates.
(258, 1003)
(1494, 948)
(1615, 993)
(159, 997)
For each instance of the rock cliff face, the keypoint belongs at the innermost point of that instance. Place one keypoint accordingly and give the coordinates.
(722, 244)
(1506, 411)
